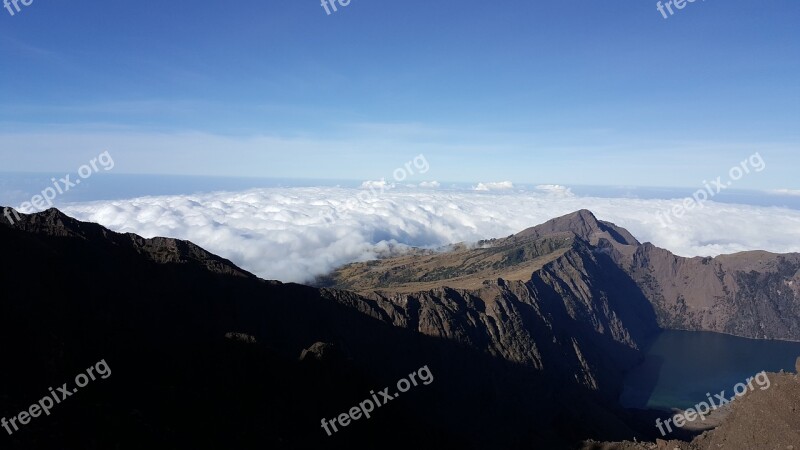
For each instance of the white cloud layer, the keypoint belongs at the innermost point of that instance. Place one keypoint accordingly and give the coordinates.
(295, 234)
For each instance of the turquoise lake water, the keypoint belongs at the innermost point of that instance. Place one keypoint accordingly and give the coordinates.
(682, 366)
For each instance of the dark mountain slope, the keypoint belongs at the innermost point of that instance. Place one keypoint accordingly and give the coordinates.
(205, 355)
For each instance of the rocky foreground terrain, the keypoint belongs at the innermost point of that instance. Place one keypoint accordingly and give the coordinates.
(528, 337)
(765, 420)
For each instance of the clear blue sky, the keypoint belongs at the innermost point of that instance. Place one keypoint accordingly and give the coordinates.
(562, 91)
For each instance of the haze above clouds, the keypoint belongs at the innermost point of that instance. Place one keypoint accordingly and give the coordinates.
(296, 234)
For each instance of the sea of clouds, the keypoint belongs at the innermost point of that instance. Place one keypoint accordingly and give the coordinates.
(296, 234)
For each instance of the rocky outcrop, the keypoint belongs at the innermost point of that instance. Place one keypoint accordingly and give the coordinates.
(321, 351)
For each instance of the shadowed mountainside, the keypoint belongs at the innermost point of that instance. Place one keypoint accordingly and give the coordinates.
(206, 355)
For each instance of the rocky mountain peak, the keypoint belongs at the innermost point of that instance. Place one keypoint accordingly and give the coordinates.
(583, 224)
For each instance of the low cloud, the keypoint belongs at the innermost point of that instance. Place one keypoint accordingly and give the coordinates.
(555, 189)
(380, 185)
(496, 186)
(793, 192)
(429, 185)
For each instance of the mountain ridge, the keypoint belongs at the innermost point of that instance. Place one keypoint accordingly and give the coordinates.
(563, 334)
(161, 249)
(694, 294)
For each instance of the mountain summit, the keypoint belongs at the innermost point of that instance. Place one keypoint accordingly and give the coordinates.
(584, 225)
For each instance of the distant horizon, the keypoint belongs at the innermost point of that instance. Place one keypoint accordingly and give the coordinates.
(16, 187)
(444, 182)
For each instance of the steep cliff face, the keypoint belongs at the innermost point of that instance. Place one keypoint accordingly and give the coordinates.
(547, 298)
(751, 294)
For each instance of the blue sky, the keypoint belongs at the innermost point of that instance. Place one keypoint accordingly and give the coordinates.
(566, 91)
